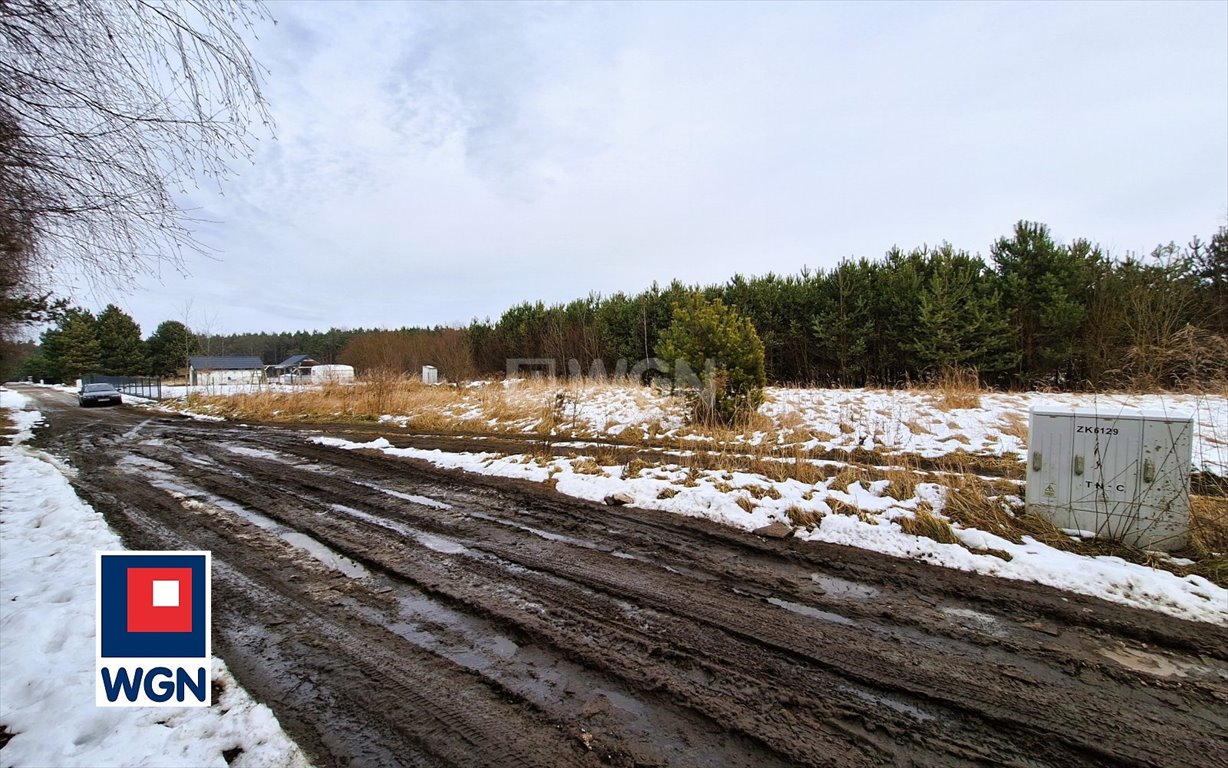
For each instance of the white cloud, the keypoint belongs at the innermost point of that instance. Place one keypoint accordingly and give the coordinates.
(437, 162)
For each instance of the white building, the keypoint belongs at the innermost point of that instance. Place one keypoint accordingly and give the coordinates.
(332, 374)
(204, 371)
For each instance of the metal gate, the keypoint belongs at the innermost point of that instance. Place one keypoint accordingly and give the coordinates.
(149, 387)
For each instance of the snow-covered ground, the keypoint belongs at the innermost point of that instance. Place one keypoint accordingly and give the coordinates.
(890, 420)
(48, 538)
(915, 420)
(856, 515)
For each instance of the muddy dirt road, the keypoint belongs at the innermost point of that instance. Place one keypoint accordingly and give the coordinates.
(395, 614)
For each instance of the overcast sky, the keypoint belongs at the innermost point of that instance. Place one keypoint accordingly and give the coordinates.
(433, 163)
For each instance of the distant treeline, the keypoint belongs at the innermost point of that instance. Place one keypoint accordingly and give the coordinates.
(1038, 312)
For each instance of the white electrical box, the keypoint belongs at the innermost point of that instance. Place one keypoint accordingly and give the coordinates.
(1121, 475)
(430, 374)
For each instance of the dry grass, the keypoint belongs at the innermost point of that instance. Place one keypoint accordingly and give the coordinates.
(667, 493)
(1016, 425)
(956, 388)
(1044, 531)
(961, 462)
(903, 483)
(969, 504)
(1209, 527)
(746, 504)
(636, 466)
(846, 477)
(762, 492)
(925, 523)
(586, 465)
(540, 406)
(803, 518)
(903, 479)
(842, 508)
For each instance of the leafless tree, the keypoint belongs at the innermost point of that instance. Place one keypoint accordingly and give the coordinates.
(108, 110)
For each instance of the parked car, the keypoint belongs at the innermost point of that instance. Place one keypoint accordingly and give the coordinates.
(99, 394)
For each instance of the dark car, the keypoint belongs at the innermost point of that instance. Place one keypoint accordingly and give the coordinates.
(99, 394)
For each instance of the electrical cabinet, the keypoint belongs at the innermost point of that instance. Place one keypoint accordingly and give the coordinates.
(1121, 475)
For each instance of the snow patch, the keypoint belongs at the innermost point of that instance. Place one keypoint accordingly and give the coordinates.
(48, 538)
(715, 496)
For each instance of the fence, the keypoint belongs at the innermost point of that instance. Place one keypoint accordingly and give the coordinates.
(149, 387)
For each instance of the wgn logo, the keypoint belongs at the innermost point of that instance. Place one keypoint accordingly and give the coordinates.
(153, 628)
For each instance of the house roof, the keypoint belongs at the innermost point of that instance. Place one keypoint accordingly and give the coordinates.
(207, 363)
(292, 361)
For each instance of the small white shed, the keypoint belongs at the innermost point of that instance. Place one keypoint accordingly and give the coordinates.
(206, 371)
(430, 374)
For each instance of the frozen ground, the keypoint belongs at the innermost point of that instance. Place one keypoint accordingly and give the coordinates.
(857, 516)
(47, 542)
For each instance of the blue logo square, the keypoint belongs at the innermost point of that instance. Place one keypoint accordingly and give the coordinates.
(117, 641)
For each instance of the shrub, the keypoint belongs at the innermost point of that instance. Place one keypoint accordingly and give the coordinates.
(723, 349)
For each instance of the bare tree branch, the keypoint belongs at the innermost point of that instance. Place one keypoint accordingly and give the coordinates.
(106, 110)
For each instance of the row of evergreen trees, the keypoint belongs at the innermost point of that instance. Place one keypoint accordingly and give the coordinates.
(1040, 312)
(109, 343)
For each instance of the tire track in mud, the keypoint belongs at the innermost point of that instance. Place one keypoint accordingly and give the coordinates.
(789, 633)
(392, 702)
(744, 651)
(708, 550)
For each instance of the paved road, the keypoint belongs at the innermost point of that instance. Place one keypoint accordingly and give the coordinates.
(395, 614)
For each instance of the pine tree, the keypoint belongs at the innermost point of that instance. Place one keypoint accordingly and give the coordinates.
(1211, 262)
(960, 323)
(1045, 289)
(844, 326)
(721, 347)
(72, 349)
(119, 343)
(168, 348)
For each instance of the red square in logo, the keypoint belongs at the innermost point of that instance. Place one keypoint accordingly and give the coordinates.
(159, 599)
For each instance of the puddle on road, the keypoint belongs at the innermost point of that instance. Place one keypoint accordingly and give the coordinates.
(629, 556)
(814, 613)
(554, 684)
(324, 554)
(575, 542)
(428, 540)
(441, 544)
(258, 453)
(317, 549)
(891, 702)
(425, 501)
(189, 495)
(414, 498)
(1162, 666)
(975, 620)
(834, 586)
(537, 531)
(142, 462)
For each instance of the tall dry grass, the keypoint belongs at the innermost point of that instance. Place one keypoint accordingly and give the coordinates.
(955, 388)
(1209, 527)
(925, 523)
(532, 405)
